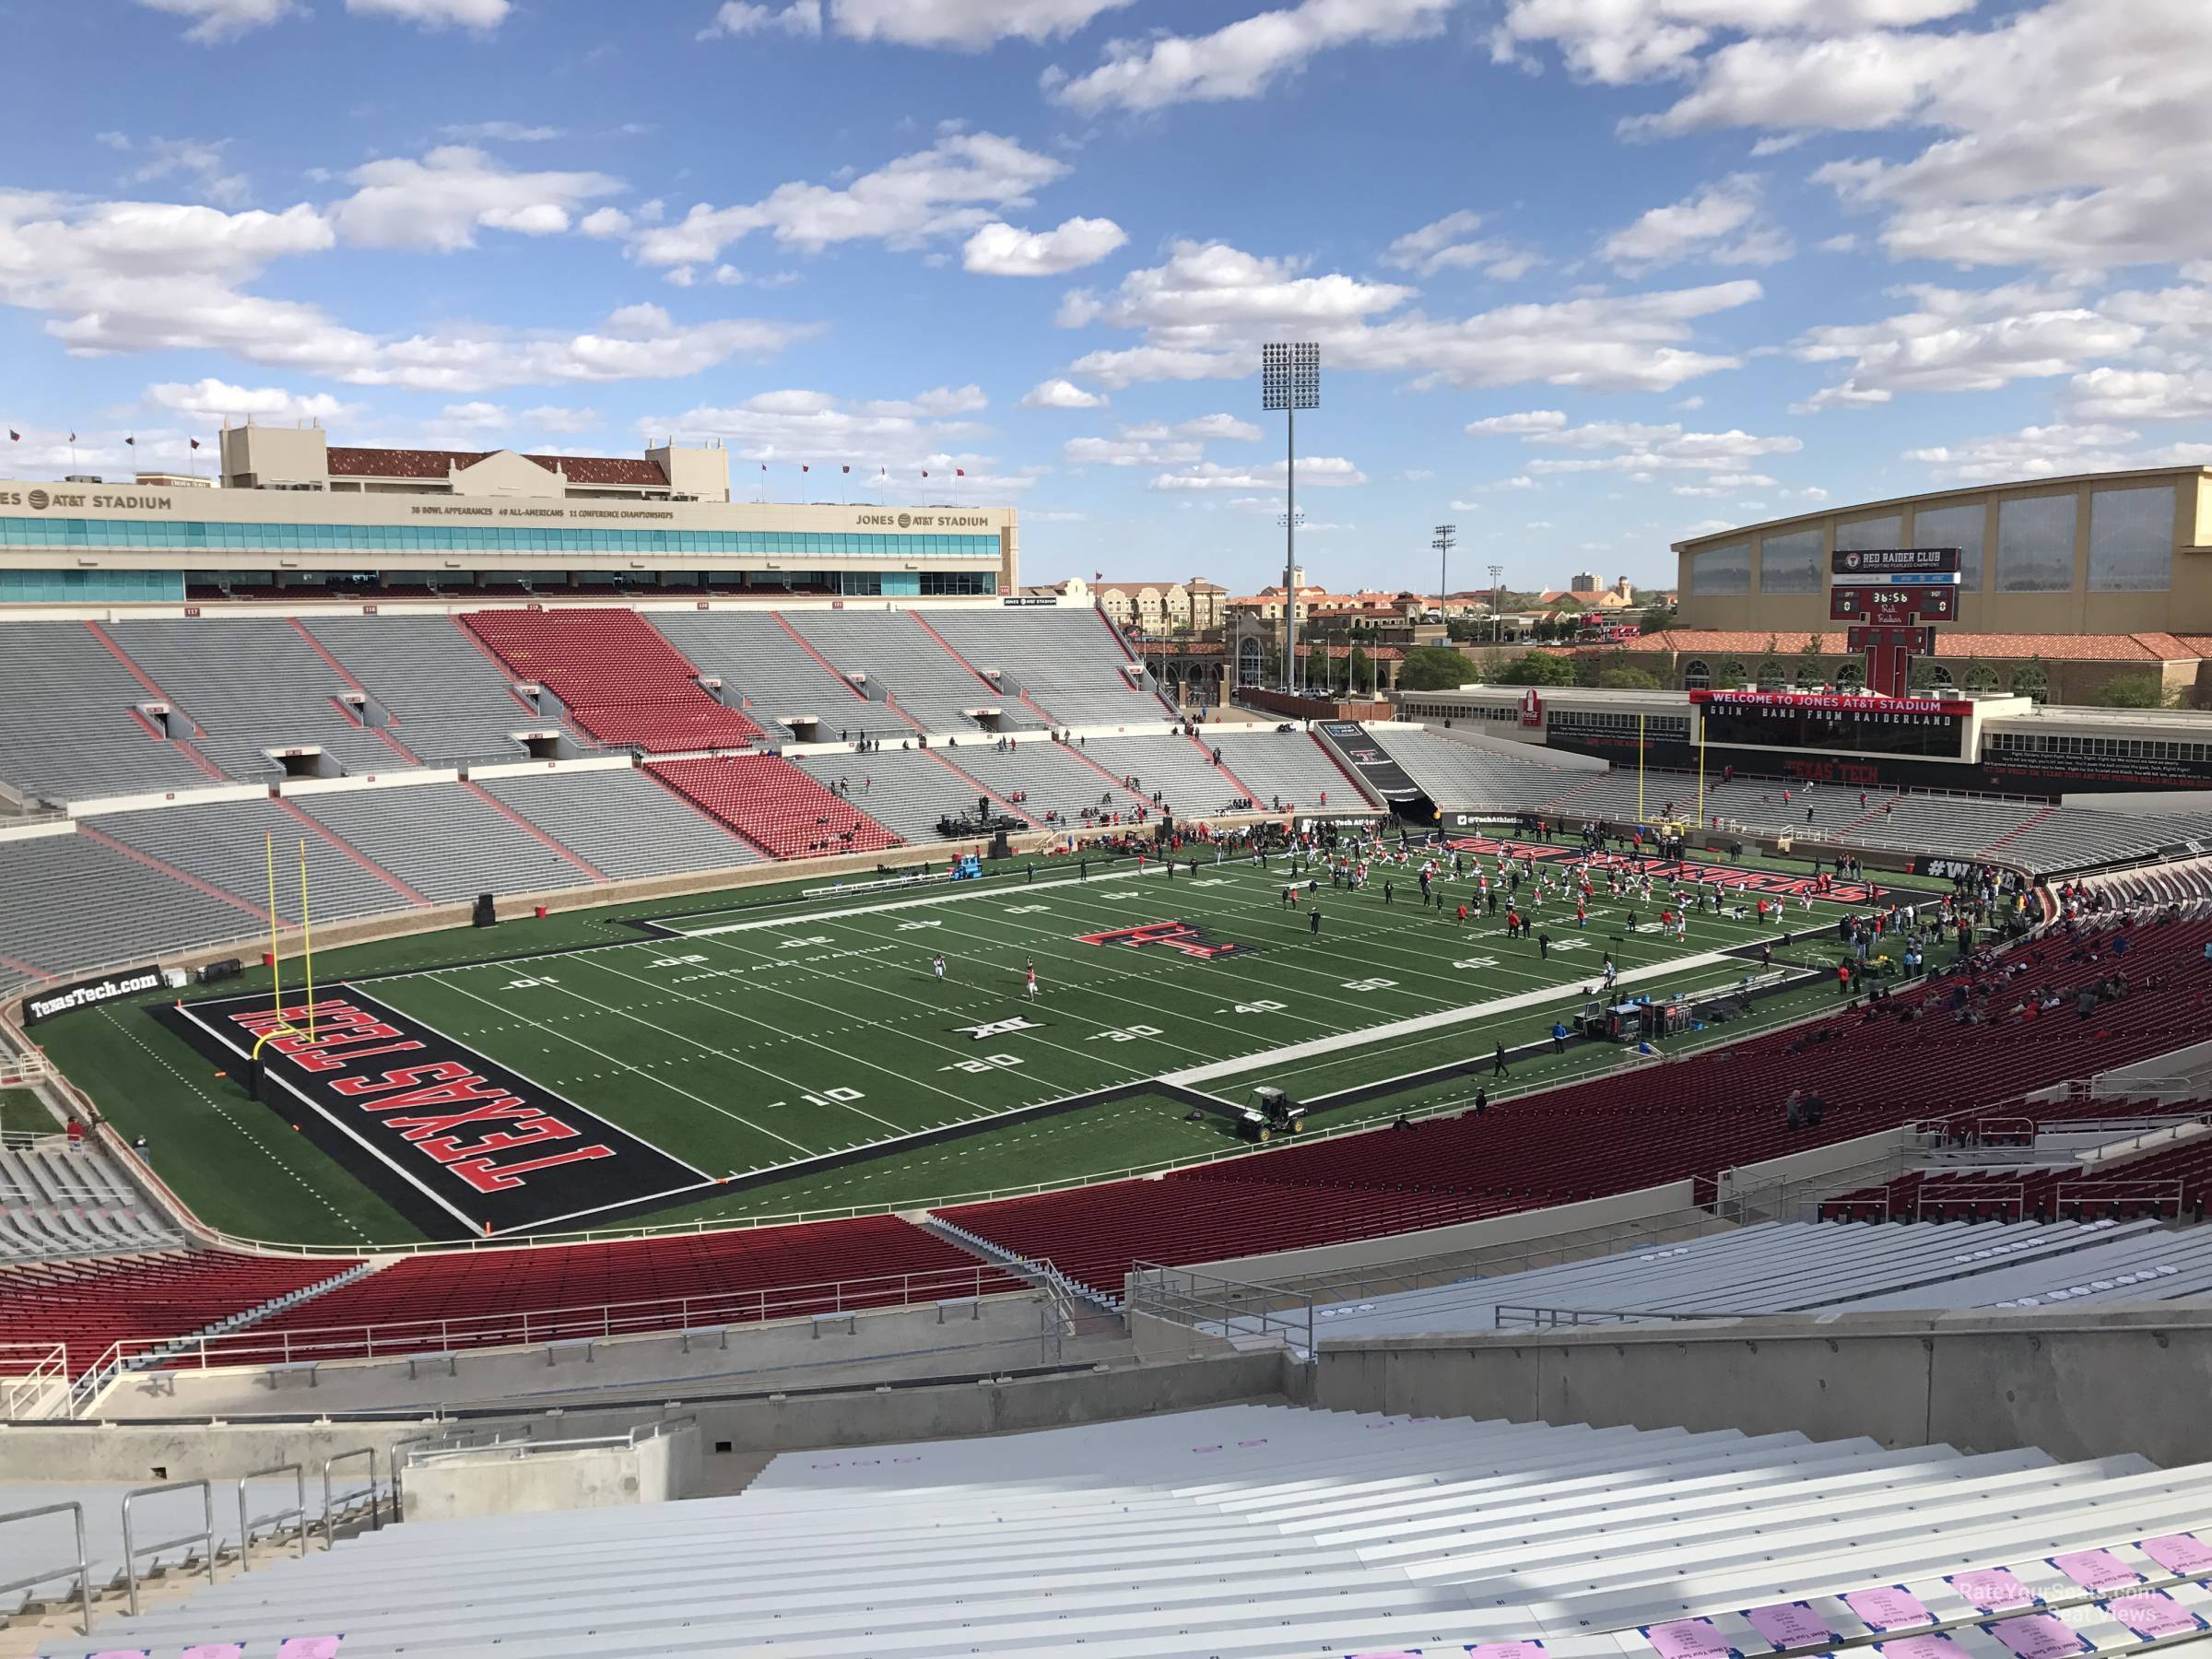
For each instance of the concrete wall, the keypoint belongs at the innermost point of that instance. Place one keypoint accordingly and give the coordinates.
(131, 1452)
(657, 1470)
(2126, 1382)
(1466, 1235)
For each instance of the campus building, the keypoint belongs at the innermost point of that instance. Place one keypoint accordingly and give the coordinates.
(2103, 553)
(300, 517)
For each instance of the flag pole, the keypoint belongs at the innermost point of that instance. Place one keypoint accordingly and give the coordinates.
(1639, 768)
(1701, 772)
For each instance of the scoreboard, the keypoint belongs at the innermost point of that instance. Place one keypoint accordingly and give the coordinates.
(1921, 728)
(1886, 605)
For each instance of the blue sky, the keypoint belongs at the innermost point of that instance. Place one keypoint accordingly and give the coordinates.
(1587, 275)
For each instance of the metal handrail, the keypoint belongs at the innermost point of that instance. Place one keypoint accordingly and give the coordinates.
(82, 1567)
(330, 1513)
(131, 1551)
(526, 1448)
(297, 1513)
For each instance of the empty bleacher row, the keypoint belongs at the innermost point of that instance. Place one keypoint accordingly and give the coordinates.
(901, 659)
(254, 685)
(444, 1300)
(1261, 1531)
(769, 670)
(906, 790)
(619, 679)
(1067, 663)
(1047, 781)
(69, 719)
(448, 700)
(1684, 1122)
(1461, 774)
(87, 1306)
(1290, 767)
(2172, 1180)
(446, 842)
(1792, 1267)
(225, 845)
(59, 1199)
(773, 804)
(622, 821)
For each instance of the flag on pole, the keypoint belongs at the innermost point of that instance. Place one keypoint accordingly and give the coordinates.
(132, 442)
(848, 469)
(763, 466)
(804, 468)
(959, 472)
(926, 474)
(73, 437)
(196, 443)
(14, 436)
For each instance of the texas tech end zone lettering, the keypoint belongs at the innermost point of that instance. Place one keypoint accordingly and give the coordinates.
(486, 1145)
(1181, 938)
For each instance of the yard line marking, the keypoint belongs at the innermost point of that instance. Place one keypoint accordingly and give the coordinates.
(1419, 1022)
(638, 1070)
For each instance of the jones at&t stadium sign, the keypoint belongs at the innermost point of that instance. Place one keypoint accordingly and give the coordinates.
(38, 500)
(1826, 702)
(85, 993)
(923, 521)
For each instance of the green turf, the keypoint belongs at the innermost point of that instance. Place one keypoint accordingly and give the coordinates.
(776, 1031)
(22, 1113)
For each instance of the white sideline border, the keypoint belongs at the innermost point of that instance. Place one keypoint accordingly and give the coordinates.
(1428, 1022)
(979, 891)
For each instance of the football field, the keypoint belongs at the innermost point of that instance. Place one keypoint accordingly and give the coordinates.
(737, 1044)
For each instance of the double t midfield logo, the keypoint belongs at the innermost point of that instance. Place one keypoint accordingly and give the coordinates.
(1183, 937)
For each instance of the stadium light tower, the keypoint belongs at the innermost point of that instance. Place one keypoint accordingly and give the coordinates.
(1497, 598)
(1446, 539)
(1290, 381)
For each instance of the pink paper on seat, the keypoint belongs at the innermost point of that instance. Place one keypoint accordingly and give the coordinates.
(310, 1647)
(1687, 1639)
(2154, 1614)
(2180, 1552)
(1994, 1589)
(2039, 1636)
(2096, 1569)
(1506, 1650)
(215, 1650)
(1918, 1647)
(1888, 1608)
(1790, 1625)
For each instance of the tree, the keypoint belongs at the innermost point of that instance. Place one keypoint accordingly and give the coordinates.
(1808, 665)
(2131, 691)
(1980, 676)
(1537, 668)
(1729, 672)
(1358, 668)
(1626, 676)
(1771, 673)
(1657, 618)
(2031, 679)
(1433, 668)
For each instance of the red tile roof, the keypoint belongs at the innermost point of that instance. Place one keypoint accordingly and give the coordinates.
(1949, 642)
(436, 463)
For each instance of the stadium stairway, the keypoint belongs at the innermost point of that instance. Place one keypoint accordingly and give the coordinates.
(1244, 791)
(1262, 1532)
(981, 787)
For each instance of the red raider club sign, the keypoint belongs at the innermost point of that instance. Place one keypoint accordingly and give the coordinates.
(485, 1145)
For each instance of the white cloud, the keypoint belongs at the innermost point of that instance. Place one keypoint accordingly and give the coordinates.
(136, 276)
(1641, 450)
(1000, 249)
(1061, 394)
(442, 200)
(1243, 59)
(2110, 394)
(1449, 243)
(1957, 340)
(500, 132)
(1156, 443)
(2061, 133)
(2033, 452)
(1314, 472)
(959, 184)
(215, 399)
(1720, 222)
(1616, 41)
(199, 161)
(214, 21)
(825, 431)
(1223, 425)
(482, 15)
(1205, 313)
(802, 18)
(967, 24)
(605, 222)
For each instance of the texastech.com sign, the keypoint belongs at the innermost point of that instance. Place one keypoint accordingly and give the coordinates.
(484, 1145)
(45, 1005)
